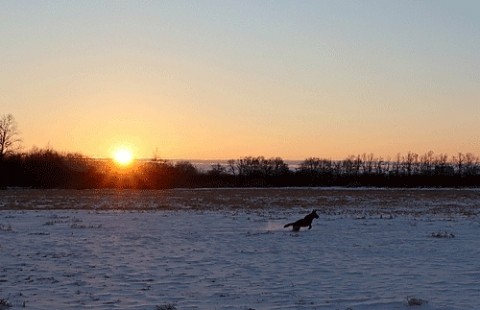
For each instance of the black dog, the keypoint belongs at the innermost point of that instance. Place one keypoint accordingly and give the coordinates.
(306, 221)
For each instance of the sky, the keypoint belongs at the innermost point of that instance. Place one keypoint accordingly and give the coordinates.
(226, 79)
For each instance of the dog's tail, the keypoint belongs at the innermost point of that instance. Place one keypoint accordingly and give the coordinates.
(289, 224)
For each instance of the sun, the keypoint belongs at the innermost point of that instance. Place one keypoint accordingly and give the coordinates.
(123, 156)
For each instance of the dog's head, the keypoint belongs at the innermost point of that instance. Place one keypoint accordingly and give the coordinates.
(314, 213)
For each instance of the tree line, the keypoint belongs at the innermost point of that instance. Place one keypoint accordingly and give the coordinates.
(47, 168)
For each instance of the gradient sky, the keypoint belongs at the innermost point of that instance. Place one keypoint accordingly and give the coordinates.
(226, 79)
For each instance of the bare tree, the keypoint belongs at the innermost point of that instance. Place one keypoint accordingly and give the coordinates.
(310, 165)
(231, 166)
(217, 169)
(279, 167)
(368, 162)
(380, 166)
(459, 162)
(347, 165)
(427, 163)
(472, 163)
(357, 164)
(410, 163)
(317, 166)
(9, 135)
(397, 165)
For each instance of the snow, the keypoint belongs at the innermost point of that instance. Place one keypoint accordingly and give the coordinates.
(227, 249)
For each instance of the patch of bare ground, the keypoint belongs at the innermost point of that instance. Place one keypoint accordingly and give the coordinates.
(6, 227)
(166, 307)
(413, 301)
(442, 235)
(331, 201)
(4, 304)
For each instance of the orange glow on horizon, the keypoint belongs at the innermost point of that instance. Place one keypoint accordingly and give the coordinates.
(123, 156)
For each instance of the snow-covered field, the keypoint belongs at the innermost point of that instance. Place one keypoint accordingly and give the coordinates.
(227, 249)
